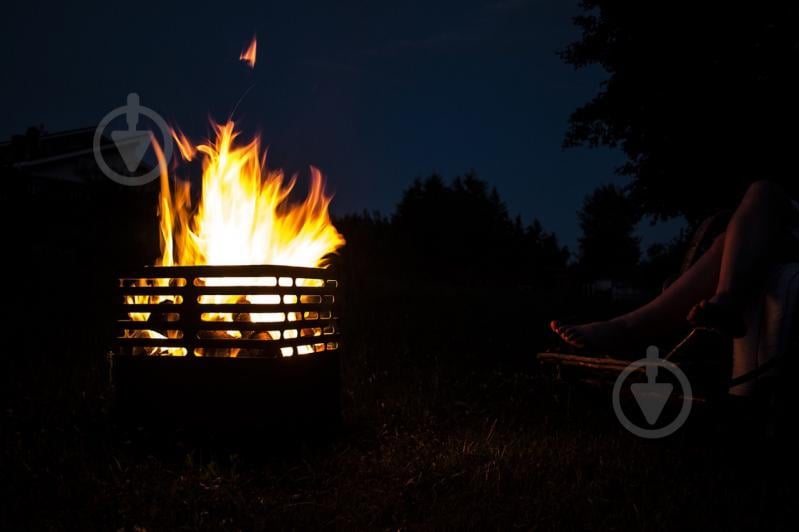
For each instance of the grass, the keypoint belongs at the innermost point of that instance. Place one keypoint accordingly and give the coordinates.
(452, 431)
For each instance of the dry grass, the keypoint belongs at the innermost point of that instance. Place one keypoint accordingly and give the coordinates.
(438, 435)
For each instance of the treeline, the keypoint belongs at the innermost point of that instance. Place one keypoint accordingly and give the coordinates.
(459, 231)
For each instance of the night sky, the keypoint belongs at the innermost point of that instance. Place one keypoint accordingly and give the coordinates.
(375, 94)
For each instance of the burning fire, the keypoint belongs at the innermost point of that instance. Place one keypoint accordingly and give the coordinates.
(243, 217)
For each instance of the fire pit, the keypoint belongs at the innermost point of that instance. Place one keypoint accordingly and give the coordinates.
(268, 358)
(235, 346)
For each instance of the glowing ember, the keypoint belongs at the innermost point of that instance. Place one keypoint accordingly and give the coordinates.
(248, 55)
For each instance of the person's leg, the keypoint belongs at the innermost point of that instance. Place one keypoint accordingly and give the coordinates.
(718, 281)
(662, 315)
(759, 223)
(756, 232)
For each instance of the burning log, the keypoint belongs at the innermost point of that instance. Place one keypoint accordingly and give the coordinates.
(242, 316)
(251, 335)
(254, 352)
(160, 318)
(217, 351)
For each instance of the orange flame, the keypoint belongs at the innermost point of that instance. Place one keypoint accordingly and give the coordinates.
(248, 55)
(187, 151)
(244, 216)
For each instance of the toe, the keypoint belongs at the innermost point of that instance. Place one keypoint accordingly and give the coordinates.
(577, 340)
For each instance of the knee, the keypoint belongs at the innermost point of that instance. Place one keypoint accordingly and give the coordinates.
(764, 193)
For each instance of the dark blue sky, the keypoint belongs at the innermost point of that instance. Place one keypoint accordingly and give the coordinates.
(373, 93)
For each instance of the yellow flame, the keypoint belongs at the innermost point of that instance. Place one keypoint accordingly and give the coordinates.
(248, 55)
(187, 151)
(243, 217)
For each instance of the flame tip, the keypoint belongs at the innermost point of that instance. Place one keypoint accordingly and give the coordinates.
(248, 55)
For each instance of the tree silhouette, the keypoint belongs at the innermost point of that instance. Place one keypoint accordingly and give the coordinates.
(458, 231)
(542, 252)
(608, 247)
(463, 229)
(701, 96)
(463, 224)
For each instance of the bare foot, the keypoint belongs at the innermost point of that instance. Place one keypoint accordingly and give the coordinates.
(601, 335)
(719, 313)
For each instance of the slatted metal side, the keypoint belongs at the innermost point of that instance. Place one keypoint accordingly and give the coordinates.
(242, 311)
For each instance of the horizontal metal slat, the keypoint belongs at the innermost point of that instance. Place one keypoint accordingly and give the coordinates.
(261, 270)
(158, 325)
(213, 343)
(226, 290)
(236, 308)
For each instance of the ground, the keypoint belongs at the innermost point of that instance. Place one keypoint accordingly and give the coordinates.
(437, 434)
